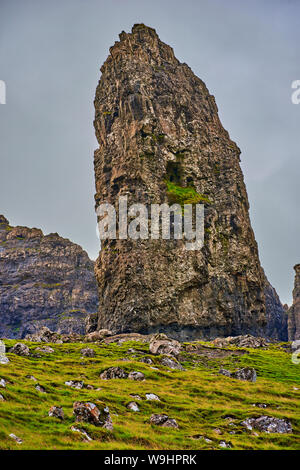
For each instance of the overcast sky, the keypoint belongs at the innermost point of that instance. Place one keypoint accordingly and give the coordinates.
(247, 53)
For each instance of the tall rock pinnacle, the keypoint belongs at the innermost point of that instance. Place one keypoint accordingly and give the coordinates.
(159, 135)
(294, 311)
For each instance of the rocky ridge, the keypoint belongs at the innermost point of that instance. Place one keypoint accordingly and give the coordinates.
(45, 280)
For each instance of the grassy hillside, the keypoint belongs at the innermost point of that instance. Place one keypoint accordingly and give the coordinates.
(203, 402)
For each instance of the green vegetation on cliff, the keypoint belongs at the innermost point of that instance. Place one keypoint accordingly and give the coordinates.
(184, 195)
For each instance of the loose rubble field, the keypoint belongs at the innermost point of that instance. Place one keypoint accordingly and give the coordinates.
(181, 402)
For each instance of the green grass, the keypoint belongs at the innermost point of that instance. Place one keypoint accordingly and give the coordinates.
(180, 195)
(198, 398)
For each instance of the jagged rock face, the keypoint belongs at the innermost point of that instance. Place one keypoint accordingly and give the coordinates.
(276, 316)
(294, 311)
(44, 280)
(158, 126)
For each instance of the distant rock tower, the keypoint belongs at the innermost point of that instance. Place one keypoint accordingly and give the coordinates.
(294, 311)
(160, 138)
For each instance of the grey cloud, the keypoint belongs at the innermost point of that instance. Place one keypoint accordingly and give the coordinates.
(50, 55)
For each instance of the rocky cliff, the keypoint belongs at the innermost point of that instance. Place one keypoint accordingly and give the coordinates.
(161, 140)
(294, 311)
(44, 280)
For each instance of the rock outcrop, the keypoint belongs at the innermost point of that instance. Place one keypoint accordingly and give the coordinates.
(276, 315)
(268, 424)
(294, 311)
(161, 141)
(88, 412)
(44, 281)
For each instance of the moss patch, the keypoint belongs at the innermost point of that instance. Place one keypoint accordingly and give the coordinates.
(184, 195)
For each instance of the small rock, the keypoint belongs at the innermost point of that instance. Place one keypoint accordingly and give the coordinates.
(16, 438)
(2, 397)
(114, 373)
(70, 338)
(268, 424)
(133, 406)
(56, 412)
(40, 388)
(224, 444)
(97, 336)
(161, 344)
(246, 373)
(229, 418)
(200, 437)
(295, 345)
(146, 360)
(125, 337)
(242, 341)
(260, 405)
(31, 377)
(152, 397)
(89, 387)
(136, 376)
(225, 372)
(218, 431)
(45, 350)
(44, 335)
(87, 352)
(78, 384)
(171, 362)
(83, 432)
(20, 349)
(90, 413)
(163, 420)
(136, 397)
(4, 360)
(3, 383)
